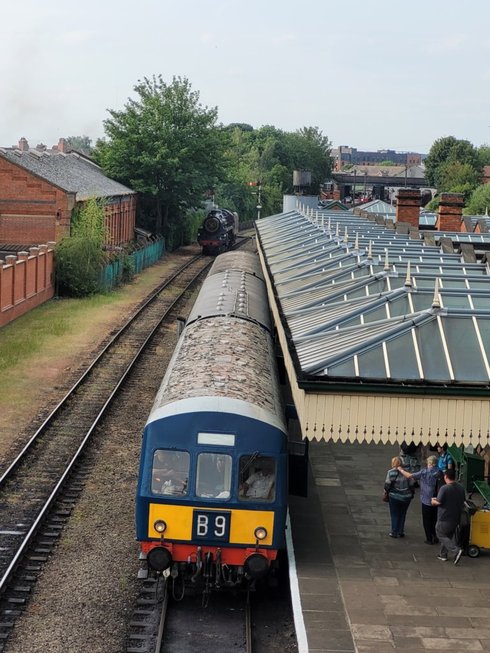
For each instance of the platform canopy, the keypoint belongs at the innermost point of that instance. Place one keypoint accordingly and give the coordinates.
(385, 338)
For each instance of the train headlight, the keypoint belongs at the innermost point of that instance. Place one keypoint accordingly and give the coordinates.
(160, 526)
(260, 533)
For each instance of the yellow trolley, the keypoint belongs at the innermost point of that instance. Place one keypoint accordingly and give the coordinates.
(480, 523)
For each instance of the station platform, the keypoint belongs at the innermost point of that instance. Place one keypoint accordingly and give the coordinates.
(354, 588)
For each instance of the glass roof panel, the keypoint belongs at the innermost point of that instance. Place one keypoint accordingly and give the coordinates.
(400, 306)
(481, 302)
(343, 369)
(372, 364)
(465, 353)
(454, 283)
(432, 354)
(402, 359)
(484, 327)
(455, 301)
(378, 313)
(422, 300)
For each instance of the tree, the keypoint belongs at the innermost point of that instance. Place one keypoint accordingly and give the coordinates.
(479, 202)
(165, 145)
(270, 155)
(457, 177)
(80, 257)
(449, 150)
(484, 155)
(81, 144)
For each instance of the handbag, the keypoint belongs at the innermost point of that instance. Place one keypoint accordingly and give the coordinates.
(388, 488)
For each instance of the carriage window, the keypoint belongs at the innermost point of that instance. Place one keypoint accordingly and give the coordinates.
(170, 472)
(257, 478)
(213, 475)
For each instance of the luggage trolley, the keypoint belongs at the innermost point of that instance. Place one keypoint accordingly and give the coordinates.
(480, 523)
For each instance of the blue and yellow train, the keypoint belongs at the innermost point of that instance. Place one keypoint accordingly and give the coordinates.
(212, 490)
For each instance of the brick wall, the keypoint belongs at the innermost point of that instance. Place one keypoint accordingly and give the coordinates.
(449, 215)
(408, 206)
(26, 280)
(31, 209)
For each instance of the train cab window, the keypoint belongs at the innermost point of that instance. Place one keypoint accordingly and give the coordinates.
(213, 475)
(170, 472)
(257, 478)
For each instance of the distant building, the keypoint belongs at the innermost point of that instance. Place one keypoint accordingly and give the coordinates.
(40, 188)
(345, 155)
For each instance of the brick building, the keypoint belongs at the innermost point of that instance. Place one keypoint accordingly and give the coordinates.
(40, 187)
(344, 155)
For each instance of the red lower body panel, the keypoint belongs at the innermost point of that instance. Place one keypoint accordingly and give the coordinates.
(229, 556)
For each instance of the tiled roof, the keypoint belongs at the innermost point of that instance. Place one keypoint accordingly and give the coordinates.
(70, 172)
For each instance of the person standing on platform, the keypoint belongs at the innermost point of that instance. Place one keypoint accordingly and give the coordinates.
(400, 493)
(445, 459)
(427, 479)
(450, 503)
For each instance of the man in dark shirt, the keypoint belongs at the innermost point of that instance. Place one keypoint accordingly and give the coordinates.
(450, 503)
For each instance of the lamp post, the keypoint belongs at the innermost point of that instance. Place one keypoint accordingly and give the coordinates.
(259, 205)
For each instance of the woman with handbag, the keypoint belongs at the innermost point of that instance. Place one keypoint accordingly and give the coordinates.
(400, 493)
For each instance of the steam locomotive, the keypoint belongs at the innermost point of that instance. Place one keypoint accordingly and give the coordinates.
(218, 231)
(212, 491)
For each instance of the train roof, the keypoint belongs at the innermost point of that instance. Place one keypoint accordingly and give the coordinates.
(247, 262)
(232, 292)
(222, 357)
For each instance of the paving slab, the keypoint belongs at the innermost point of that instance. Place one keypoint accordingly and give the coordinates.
(364, 592)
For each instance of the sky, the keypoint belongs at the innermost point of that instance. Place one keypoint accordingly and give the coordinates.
(372, 74)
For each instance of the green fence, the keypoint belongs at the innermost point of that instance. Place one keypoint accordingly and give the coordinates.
(113, 273)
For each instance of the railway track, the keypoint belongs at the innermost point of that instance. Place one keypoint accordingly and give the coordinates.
(40, 487)
(163, 625)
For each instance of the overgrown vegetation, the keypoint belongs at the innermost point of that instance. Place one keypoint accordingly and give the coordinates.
(80, 256)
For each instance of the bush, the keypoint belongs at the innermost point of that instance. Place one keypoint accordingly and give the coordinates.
(79, 257)
(127, 269)
(78, 265)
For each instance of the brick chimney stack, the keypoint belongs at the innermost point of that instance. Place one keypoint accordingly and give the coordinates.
(408, 206)
(62, 145)
(23, 145)
(449, 216)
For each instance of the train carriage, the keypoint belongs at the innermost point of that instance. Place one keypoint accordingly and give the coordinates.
(212, 490)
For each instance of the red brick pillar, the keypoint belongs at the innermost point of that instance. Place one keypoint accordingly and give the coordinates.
(408, 206)
(449, 216)
(10, 259)
(34, 251)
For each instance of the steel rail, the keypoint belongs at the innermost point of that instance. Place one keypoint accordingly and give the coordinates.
(248, 625)
(18, 459)
(4, 580)
(163, 616)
